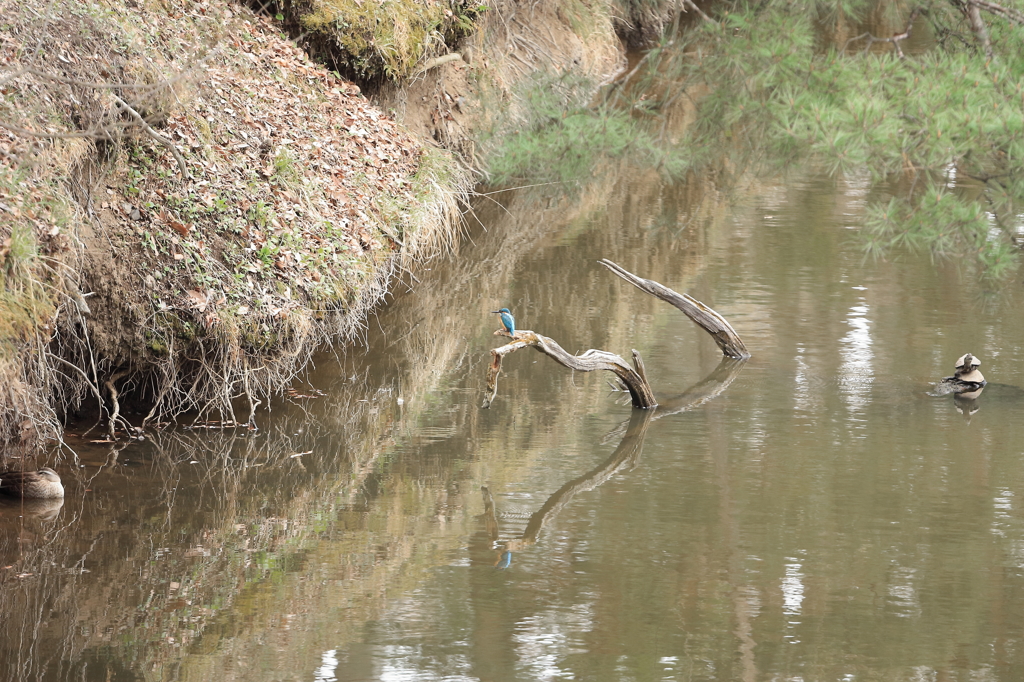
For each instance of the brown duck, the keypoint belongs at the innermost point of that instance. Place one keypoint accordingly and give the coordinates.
(41, 484)
(967, 381)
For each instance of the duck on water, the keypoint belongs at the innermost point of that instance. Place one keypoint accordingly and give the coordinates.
(43, 484)
(967, 380)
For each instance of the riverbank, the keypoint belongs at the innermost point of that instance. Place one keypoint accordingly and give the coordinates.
(192, 205)
(199, 257)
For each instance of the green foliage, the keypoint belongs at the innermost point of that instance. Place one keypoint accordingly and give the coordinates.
(28, 290)
(772, 86)
(945, 224)
(285, 169)
(564, 150)
(564, 139)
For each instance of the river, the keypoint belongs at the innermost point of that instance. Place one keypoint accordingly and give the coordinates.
(809, 514)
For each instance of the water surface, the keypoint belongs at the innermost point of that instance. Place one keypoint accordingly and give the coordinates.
(810, 514)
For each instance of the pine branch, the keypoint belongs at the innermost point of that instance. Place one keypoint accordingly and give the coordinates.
(1014, 15)
(980, 29)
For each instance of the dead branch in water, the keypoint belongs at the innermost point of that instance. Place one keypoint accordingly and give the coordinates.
(710, 321)
(633, 377)
(625, 457)
(706, 390)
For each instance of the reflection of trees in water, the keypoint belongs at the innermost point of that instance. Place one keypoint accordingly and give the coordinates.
(155, 543)
(198, 540)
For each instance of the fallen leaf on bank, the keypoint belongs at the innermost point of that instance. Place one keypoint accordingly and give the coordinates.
(197, 299)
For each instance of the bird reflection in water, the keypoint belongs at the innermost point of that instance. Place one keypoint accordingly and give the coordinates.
(39, 510)
(967, 404)
(624, 458)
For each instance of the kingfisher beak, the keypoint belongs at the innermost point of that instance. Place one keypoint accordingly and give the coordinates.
(496, 311)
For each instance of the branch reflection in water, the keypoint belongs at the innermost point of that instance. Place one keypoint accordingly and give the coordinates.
(625, 457)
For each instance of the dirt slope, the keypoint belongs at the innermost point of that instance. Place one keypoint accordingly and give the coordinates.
(202, 255)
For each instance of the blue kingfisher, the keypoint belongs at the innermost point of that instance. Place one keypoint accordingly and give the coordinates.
(507, 320)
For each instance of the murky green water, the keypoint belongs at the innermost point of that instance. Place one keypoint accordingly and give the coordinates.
(818, 518)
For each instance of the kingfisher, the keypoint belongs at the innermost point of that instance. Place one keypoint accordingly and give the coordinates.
(504, 561)
(507, 320)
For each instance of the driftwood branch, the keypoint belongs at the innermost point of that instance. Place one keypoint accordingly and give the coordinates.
(710, 321)
(709, 388)
(633, 377)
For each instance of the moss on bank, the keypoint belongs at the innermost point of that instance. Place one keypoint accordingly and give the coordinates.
(386, 39)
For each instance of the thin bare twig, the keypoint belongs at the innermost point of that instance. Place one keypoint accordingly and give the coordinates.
(124, 106)
(12, 76)
(895, 40)
(88, 381)
(1009, 13)
(51, 136)
(692, 5)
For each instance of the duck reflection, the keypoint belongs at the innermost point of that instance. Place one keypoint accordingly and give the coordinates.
(38, 510)
(967, 403)
(25, 527)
